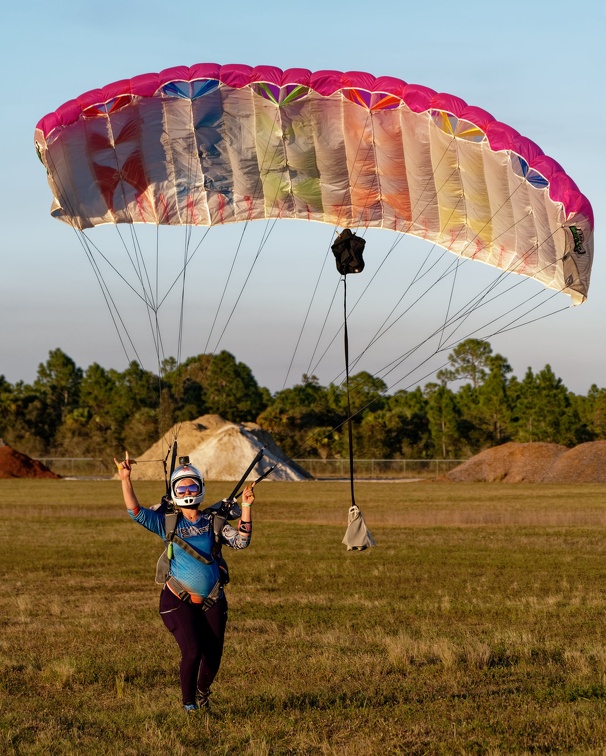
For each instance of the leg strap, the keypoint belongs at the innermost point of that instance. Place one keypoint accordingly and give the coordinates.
(208, 602)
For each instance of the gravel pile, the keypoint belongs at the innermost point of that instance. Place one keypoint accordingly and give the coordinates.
(220, 450)
(585, 463)
(509, 463)
(535, 463)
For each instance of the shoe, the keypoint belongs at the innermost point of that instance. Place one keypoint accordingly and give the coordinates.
(202, 697)
(190, 708)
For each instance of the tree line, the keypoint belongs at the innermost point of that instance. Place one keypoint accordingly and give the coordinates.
(473, 404)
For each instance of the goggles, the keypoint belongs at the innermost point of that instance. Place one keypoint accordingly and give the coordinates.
(192, 488)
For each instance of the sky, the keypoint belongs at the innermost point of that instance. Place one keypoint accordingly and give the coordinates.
(536, 65)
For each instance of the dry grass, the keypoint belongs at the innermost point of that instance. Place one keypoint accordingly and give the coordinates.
(476, 626)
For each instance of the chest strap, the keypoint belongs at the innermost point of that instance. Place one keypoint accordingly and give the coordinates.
(170, 523)
(190, 550)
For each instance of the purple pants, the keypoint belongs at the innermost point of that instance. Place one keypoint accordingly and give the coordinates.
(200, 636)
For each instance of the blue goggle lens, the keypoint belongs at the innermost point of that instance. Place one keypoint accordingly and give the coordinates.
(193, 489)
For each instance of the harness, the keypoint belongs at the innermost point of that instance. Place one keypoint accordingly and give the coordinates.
(163, 574)
(219, 518)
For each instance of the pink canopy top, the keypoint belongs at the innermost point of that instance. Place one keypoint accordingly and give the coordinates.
(417, 97)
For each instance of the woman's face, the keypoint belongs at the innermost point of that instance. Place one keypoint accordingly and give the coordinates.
(186, 487)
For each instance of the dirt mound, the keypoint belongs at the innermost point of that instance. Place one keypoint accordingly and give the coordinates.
(510, 463)
(220, 450)
(13, 464)
(585, 463)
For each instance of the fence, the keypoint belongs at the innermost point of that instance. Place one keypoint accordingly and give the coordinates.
(93, 467)
(79, 467)
(379, 468)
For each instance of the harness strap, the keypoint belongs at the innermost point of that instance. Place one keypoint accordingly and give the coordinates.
(207, 603)
(213, 596)
(218, 523)
(190, 550)
(176, 587)
(170, 524)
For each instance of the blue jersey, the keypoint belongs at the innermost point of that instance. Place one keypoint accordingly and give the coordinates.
(196, 577)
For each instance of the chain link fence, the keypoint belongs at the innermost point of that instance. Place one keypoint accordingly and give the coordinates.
(79, 467)
(396, 469)
(379, 468)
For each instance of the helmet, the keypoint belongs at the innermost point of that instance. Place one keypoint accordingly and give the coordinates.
(182, 472)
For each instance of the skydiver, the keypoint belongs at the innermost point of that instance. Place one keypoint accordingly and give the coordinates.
(192, 603)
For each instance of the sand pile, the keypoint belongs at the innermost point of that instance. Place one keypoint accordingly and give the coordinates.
(220, 450)
(509, 463)
(13, 464)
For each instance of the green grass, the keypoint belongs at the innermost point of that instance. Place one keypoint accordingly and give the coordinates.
(475, 627)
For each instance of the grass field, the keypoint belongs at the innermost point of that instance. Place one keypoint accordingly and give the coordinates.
(475, 627)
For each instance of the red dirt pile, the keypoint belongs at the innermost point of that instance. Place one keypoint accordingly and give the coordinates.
(13, 464)
(535, 463)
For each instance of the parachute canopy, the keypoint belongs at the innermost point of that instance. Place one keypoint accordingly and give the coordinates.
(214, 144)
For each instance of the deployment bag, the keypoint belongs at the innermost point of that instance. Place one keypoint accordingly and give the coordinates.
(348, 250)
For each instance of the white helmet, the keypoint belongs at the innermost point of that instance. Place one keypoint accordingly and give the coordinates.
(187, 471)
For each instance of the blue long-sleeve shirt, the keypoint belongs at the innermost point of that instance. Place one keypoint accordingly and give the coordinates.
(196, 577)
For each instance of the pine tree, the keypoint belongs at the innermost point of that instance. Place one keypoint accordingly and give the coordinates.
(469, 360)
(545, 411)
(494, 404)
(58, 386)
(444, 415)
